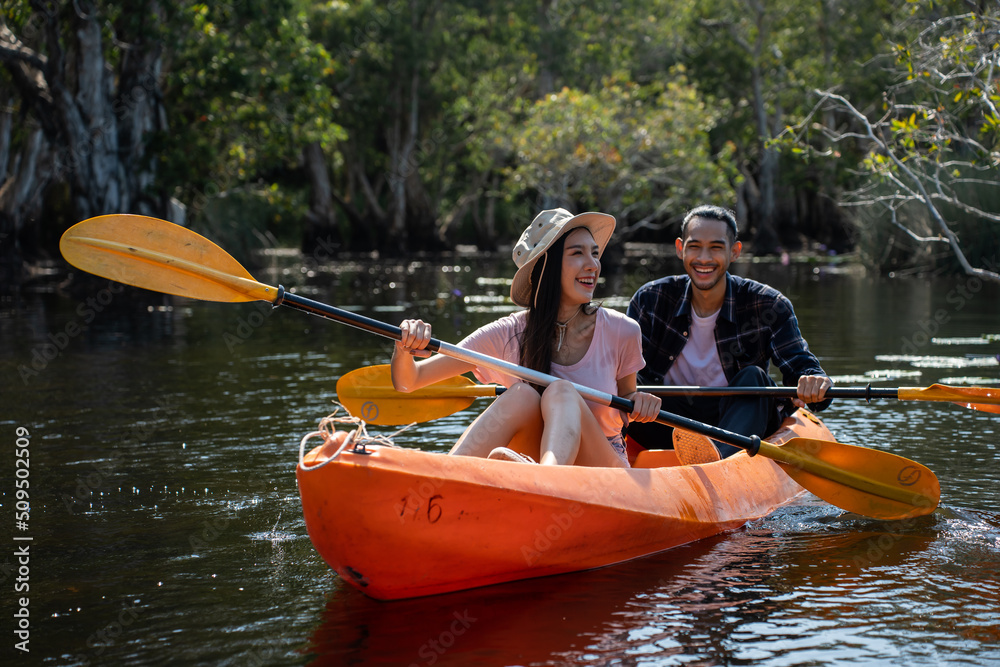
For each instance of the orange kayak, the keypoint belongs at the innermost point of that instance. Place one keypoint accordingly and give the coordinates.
(401, 523)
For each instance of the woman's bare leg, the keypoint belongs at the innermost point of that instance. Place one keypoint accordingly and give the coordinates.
(571, 433)
(514, 415)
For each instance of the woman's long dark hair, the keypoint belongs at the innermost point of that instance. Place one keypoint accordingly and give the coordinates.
(543, 308)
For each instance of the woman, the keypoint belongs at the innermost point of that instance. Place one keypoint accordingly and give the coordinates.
(560, 333)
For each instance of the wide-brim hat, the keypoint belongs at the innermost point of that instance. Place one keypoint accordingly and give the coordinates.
(543, 231)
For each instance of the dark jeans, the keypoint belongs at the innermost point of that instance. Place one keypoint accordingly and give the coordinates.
(746, 415)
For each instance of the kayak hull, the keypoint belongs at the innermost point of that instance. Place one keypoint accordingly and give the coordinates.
(401, 523)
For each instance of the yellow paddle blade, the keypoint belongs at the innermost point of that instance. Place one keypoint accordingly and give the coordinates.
(368, 393)
(865, 481)
(160, 256)
(985, 399)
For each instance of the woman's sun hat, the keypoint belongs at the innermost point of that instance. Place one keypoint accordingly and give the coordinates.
(543, 231)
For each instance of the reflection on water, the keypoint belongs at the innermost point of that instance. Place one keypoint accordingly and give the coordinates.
(167, 529)
(926, 361)
(804, 586)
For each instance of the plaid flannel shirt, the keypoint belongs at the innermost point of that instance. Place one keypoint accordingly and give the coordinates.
(756, 325)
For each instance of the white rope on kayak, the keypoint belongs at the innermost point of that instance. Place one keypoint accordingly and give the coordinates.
(358, 438)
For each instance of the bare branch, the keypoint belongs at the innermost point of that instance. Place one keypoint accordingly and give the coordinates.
(911, 187)
(13, 50)
(26, 66)
(922, 239)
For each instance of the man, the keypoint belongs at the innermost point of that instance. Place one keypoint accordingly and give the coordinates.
(711, 328)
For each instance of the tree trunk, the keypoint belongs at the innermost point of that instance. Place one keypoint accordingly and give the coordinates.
(765, 240)
(450, 221)
(402, 141)
(6, 123)
(548, 33)
(487, 227)
(92, 137)
(140, 95)
(368, 221)
(321, 220)
(20, 203)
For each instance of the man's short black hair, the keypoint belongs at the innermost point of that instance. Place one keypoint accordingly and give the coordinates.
(713, 213)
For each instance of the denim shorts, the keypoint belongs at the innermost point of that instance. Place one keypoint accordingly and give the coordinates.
(618, 444)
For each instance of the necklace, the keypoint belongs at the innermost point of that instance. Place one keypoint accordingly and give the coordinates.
(561, 328)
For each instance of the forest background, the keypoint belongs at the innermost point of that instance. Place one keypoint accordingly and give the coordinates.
(401, 126)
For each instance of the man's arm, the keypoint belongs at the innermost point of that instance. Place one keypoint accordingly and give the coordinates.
(799, 366)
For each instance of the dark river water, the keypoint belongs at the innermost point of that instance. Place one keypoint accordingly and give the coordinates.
(165, 525)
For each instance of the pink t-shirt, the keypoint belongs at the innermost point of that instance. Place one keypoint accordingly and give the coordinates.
(615, 352)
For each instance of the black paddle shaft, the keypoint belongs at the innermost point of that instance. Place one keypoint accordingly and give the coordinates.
(751, 444)
(867, 392)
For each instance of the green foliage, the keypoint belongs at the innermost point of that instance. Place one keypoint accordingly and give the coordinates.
(247, 90)
(462, 116)
(626, 148)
